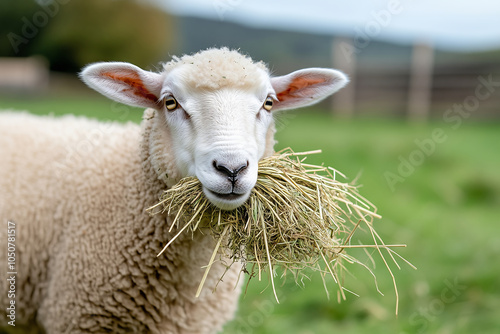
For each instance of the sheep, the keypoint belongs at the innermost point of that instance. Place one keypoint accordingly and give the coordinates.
(77, 190)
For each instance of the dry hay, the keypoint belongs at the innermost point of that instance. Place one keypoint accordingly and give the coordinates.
(298, 216)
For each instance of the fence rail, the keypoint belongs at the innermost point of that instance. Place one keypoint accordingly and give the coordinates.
(387, 89)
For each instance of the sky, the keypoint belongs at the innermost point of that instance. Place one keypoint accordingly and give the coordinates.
(466, 25)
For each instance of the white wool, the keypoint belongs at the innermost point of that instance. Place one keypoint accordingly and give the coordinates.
(86, 249)
(218, 68)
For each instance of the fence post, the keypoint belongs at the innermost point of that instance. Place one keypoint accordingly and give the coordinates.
(421, 72)
(344, 59)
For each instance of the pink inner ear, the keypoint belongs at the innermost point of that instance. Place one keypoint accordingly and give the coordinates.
(135, 84)
(298, 84)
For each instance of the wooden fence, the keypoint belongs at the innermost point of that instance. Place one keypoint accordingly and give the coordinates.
(419, 91)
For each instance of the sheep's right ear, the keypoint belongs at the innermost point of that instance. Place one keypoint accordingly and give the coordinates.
(124, 82)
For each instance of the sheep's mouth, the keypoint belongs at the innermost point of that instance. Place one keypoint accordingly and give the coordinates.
(226, 201)
(228, 197)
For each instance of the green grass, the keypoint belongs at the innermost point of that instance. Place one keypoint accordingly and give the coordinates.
(447, 211)
(94, 107)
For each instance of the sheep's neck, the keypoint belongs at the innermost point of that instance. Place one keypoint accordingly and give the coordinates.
(158, 157)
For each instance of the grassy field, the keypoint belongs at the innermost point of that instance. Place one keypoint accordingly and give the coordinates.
(438, 190)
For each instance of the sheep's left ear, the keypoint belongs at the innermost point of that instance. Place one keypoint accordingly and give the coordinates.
(305, 87)
(124, 82)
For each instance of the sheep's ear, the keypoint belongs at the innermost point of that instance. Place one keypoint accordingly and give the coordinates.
(124, 82)
(305, 87)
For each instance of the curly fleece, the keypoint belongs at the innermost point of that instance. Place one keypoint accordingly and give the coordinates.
(86, 260)
(218, 68)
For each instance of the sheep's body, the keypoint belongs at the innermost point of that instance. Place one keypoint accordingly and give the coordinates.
(86, 250)
(77, 190)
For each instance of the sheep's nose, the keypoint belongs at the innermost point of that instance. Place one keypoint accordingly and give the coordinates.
(231, 172)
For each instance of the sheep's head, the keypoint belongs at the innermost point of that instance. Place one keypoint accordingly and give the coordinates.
(217, 107)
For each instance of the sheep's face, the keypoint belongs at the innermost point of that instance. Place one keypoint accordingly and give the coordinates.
(218, 120)
(219, 135)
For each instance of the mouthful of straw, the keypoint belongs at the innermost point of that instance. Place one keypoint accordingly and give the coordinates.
(298, 216)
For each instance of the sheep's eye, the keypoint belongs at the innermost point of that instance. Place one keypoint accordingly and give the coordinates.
(170, 103)
(268, 104)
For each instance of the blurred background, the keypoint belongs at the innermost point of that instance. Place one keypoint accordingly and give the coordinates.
(418, 124)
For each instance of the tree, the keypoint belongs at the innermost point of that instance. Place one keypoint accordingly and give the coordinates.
(16, 35)
(78, 32)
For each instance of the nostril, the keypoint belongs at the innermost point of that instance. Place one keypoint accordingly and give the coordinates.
(223, 169)
(240, 168)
